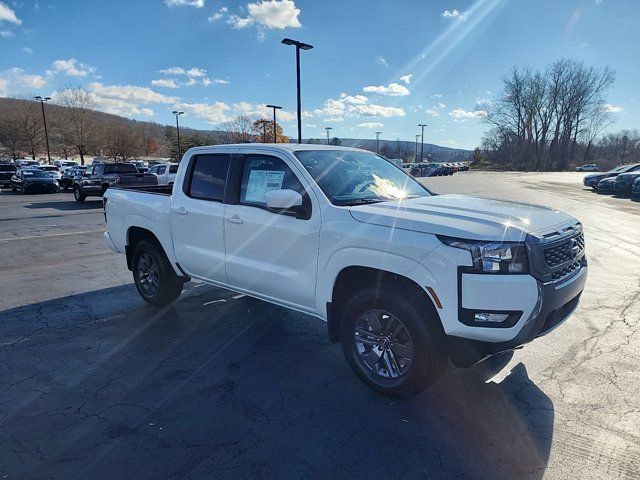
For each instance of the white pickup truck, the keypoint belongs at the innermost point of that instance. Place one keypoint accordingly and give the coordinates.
(406, 280)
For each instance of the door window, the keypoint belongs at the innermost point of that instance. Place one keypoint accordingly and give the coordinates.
(264, 173)
(208, 177)
(161, 170)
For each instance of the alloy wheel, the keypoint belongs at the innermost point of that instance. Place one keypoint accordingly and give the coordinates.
(383, 344)
(148, 274)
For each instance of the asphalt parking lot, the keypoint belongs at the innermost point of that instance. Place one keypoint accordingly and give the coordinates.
(96, 384)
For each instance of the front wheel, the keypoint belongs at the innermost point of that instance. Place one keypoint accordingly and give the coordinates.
(77, 194)
(153, 275)
(393, 344)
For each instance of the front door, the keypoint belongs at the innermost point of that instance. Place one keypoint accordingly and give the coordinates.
(273, 254)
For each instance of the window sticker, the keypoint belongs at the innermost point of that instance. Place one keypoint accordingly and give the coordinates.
(262, 181)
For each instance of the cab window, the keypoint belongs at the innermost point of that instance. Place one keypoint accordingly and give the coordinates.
(263, 173)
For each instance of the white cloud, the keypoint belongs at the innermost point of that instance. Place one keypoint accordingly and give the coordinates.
(130, 93)
(173, 71)
(353, 99)
(262, 111)
(8, 15)
(378, 111)
(16, 81)
(214, 81)
(607, 107)
(461, 114)
(380, 60)
(165, 83)
(181, 3)
(189, 83)
(406, 78)
(272, 14)
(371, 125)
(392, 90)
(4, 88)
(219, 15)
(433, 112)
(6, 33)
(27, 50)
(211, 112)
(454, 14)
(70, 68)
(123, 108)
(196, 72)
(447, 142)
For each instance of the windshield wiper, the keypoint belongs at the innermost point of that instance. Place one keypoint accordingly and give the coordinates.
(362, 201)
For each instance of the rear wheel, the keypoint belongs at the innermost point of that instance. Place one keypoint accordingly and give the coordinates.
(153, 275)
(77, 193)
(393, 344)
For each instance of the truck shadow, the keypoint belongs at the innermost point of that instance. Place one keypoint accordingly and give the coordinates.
(223, 386)
(67, 205)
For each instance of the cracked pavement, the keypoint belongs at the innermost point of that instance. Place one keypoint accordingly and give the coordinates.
(96, 384)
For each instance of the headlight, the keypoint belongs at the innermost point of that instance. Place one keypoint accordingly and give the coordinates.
(55, 182)
(493, 257)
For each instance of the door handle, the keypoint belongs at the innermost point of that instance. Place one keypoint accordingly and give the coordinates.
(181, 211)
(234, 219)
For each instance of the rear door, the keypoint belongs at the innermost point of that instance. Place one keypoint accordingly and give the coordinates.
(197, 216)
(92, 180)
(271, 253)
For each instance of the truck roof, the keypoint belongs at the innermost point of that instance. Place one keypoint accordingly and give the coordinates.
(277, 147)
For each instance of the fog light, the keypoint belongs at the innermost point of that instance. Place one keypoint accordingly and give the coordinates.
(490, 317)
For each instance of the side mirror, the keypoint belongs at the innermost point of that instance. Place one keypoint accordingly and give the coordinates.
(283, 199)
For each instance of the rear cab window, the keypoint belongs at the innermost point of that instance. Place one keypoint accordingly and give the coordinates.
(207, 176)
(120, 168)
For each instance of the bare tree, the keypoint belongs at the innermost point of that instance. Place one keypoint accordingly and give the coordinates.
(10, 133)
(80, 127)
(241, 128)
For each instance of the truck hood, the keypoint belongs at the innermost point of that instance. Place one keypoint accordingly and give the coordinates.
(462, 216)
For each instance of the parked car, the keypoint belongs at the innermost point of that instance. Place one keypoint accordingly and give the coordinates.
(589, 167)
(69, 175)
(64, 164)
(606, 185)
(99, 177)
(26, 163)
(406, 280)
(166, 173)
(593, 179)
(142, 168)
(31, 180)
(624, 181)
(7, 170)
(52, 171)
(635, 188)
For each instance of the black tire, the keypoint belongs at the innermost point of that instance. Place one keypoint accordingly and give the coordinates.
(421, 326)
(162, 286)
(77, 194)
(13, 187)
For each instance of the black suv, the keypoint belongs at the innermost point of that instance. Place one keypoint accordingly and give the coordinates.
(7, 170)
(97, 178)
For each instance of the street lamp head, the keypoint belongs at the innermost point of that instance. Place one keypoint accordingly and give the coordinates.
(176, 112)
(378, 133)
(422, 124)
(46, 99)
(300, 45)
(277, 107)
(39, 98)
(328, 128)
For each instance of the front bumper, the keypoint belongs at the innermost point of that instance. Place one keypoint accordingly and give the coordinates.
(555, 305)
(109, 243)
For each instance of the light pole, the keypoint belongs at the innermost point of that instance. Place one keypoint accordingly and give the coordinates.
(417, 136)
(44, 120)
(299, 46)
(177, 114)
(422, 141)
(327, 129)
(378, 141)
(275, 107)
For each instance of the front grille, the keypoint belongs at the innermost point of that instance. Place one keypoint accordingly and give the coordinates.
(559, 254)
(567, 272)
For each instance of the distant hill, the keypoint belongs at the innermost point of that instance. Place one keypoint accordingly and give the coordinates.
(149, 137)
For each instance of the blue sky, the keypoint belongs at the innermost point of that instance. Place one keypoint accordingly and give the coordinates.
(377, 65)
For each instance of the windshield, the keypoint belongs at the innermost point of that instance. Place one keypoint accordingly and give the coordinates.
(50, 168)
(173, 168)
(351, 177)
(34, 173)
(7, 168)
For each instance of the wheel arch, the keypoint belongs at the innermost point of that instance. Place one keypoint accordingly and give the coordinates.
(356, 277)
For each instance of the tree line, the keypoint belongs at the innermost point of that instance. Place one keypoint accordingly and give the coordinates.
(555, 119)
(77, 129)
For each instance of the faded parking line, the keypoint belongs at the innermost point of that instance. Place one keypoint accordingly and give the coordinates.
(51, 235)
